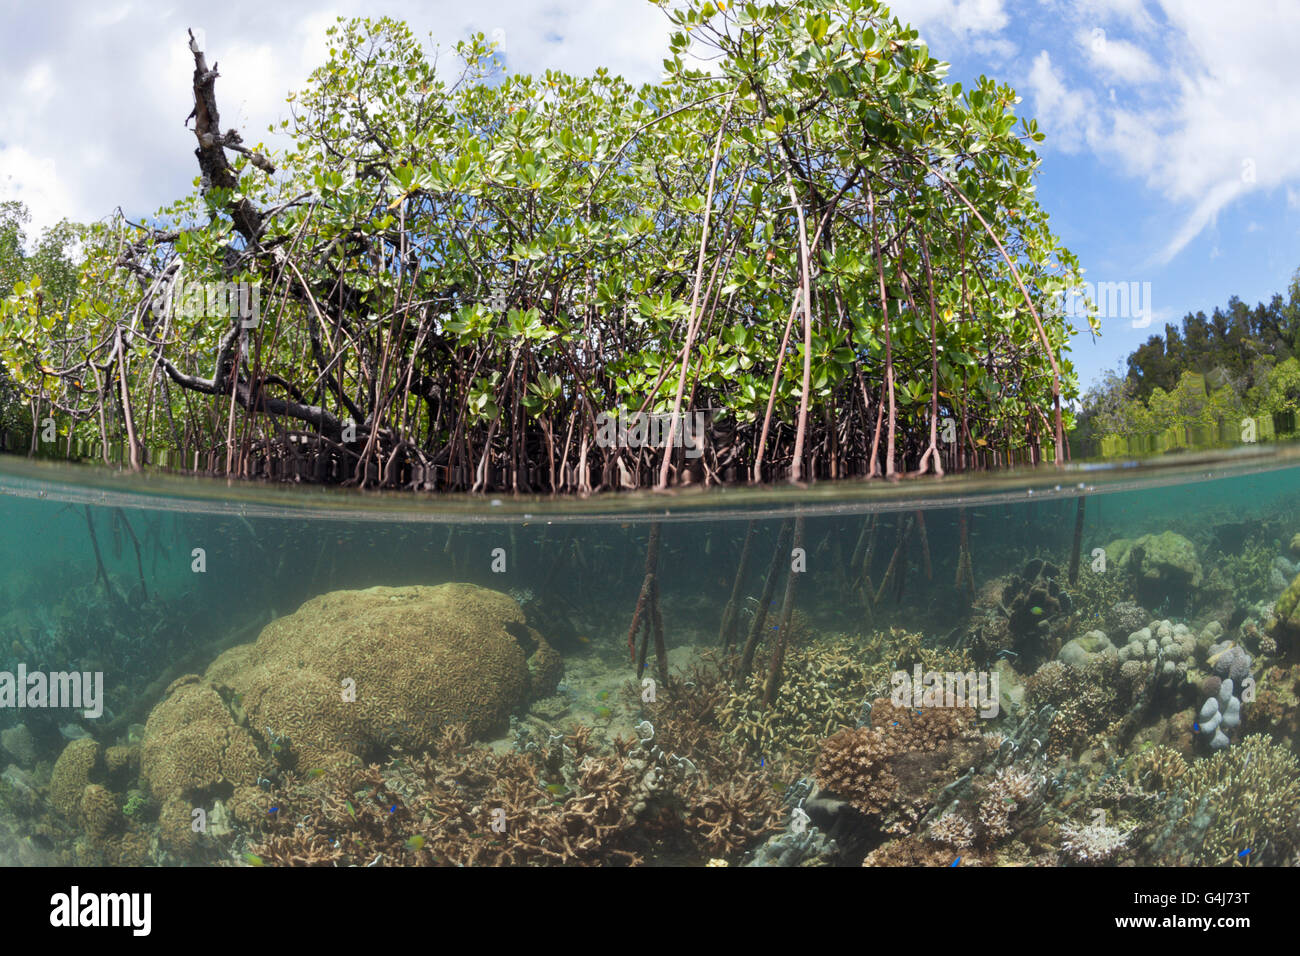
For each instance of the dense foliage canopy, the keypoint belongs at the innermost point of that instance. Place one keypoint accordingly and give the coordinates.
(802, 229)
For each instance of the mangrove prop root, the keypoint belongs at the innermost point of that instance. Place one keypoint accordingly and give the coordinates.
(647, 602)
(1078, 542)
(783, 633)
(865, 588)
(101, 573)
(661, 651)
(925, 545)
(859, 549)
(727, 632)
(965, 574)
(760, 614)
(892, 570)
(135, 543)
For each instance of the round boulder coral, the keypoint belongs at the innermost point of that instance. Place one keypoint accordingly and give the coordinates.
(348, 677)
(353, 673)
(192, 744)
(72, 771)
(99, 812)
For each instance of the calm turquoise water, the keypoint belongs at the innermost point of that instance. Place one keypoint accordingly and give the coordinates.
(510, 619)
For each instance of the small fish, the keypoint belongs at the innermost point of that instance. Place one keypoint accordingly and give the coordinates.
(604, 695)
(73, 732)
(315, 774)
(603, 713)
(351, 812)
(1035, 610)
(557, 789)
(584, 639)
(415, 843)
(252, 859)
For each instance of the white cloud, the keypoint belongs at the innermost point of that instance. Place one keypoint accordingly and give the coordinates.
(1068, 116)
(34, 180)
(1117, 59)
(976, 25)
(127, 78)
(1131, 13)
(1217, 119)
(962, 17)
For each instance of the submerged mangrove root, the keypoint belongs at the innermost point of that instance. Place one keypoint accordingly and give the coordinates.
(647, 618)
(1078, 542)
(965, 575)
(864, 572)
(135, 542)
(783, 632)
(727, 632)
(760, 615)
(925, 545)
(893, 574)
(101, 573)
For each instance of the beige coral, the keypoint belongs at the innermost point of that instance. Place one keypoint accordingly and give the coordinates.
(99, 812)
(192, 744)
(72, 771)
(348, 677)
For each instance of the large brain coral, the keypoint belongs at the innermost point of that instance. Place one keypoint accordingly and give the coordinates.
(192, 743)
(348, 676)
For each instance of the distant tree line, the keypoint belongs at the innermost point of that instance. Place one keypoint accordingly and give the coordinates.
(1202, 380)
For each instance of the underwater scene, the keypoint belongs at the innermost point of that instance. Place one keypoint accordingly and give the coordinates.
(1099, 672)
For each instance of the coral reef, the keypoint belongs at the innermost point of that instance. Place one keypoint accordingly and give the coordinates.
(823, 689)
(350, 676)
(1033, 602)
(99, 812)
(18, 743)
(1284, 626)
(1229, 660)
(192, 745)
(1085, 699)
(552, 802)
(1094, 843)
(1220, 713)
(1167, 648)
(73, 770)
(1163, 567)
(1125, 617)
(1240, 801)
(1094, 646)
(891, 769)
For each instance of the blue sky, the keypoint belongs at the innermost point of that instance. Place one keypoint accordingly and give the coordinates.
(1173, 126)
